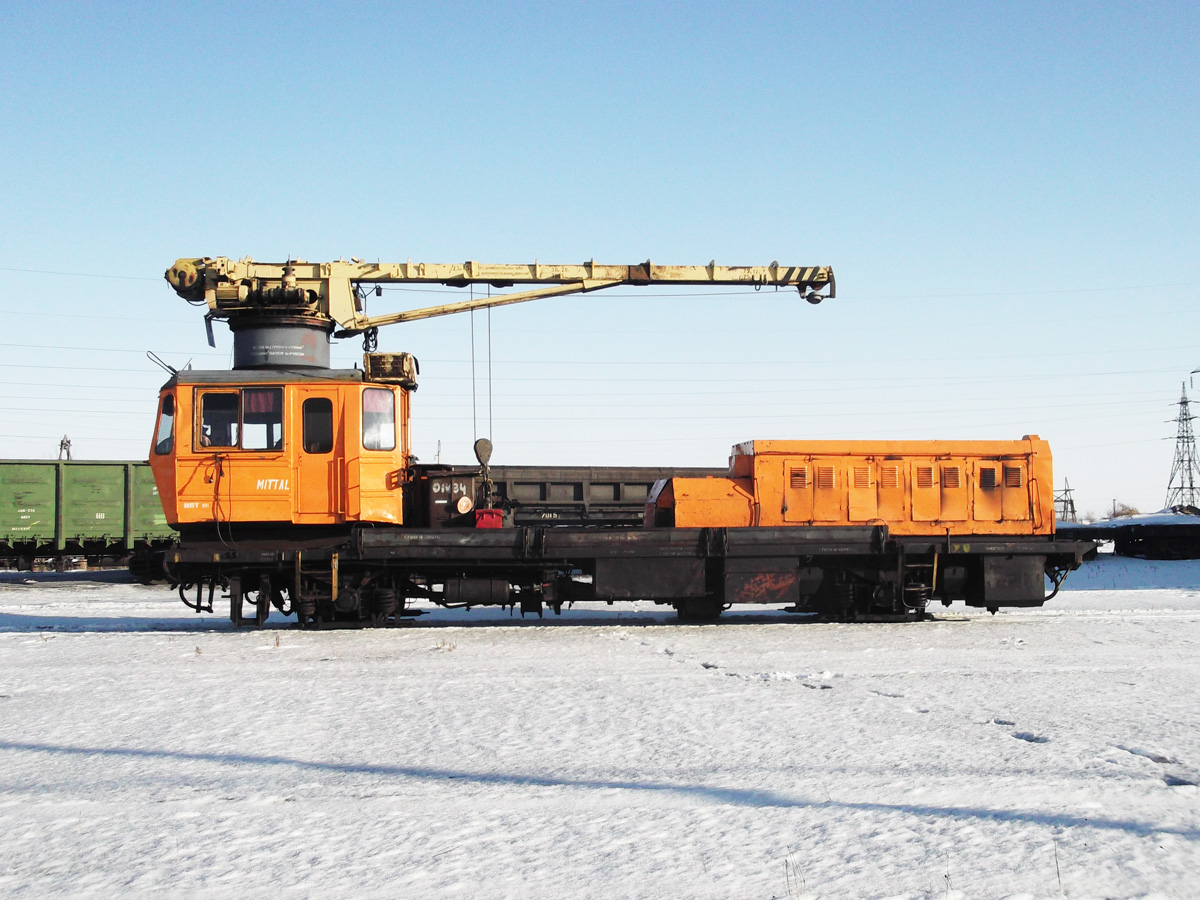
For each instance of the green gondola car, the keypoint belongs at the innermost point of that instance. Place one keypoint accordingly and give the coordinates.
(107, 512)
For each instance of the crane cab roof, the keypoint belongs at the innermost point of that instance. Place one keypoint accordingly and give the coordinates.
(263, 376)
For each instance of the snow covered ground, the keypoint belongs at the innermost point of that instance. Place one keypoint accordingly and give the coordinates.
(145, 750)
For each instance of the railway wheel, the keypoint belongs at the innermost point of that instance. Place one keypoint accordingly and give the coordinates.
(384, 605)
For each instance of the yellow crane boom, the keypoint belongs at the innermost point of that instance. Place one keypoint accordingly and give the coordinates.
(334, 292)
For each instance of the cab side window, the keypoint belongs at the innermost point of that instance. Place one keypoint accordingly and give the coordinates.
(164, 441)
(378, 419)
(317, 415)
(262, 419)
(218, 419)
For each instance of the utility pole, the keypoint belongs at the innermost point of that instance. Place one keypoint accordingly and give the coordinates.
(1183, 489)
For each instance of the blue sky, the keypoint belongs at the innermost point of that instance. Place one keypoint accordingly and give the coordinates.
(1008, 194)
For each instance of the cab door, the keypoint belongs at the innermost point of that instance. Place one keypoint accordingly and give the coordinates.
(320, 457)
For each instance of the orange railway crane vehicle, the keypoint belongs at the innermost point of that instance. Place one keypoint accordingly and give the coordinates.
(293, 485)
(284, 438)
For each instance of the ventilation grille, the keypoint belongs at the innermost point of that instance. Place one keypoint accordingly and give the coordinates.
(924, 476)
(862, 477)
(951, 477)
(1012, 476)
(889, 477)
(987, 478)
(826, 478)
(799, 478)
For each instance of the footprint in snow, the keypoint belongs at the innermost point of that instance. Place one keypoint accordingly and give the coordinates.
(1161, 759)
(767, 676)
(1030, 737)
(1169, 779)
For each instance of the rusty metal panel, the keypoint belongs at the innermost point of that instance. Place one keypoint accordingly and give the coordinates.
(762, 580)
(649, 578)
(391, 368)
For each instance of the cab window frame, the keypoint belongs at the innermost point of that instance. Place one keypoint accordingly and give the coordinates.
(268, 416)
(164, 434)
(374, 421)
(317, 426)
(211, 419)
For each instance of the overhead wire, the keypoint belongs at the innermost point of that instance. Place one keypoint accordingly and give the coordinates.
(489, 326)
(474, 417)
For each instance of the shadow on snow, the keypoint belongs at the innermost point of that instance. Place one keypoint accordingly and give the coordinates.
(731, 796)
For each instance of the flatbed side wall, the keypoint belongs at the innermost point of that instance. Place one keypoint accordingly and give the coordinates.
(598, 492)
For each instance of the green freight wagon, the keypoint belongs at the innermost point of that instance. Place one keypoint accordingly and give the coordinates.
(105, 511)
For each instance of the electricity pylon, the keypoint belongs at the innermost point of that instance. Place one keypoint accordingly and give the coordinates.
(1064, 504)
(1185, 472)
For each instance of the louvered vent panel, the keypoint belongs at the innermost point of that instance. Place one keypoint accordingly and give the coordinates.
(951, 476)
(924, 476)
(987, 478)
(1012, 476)
(862, 477)
(799, 478)
(889, 477)
(826, 478)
